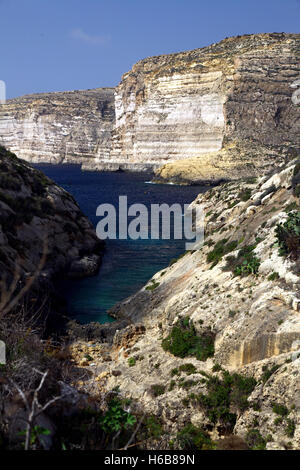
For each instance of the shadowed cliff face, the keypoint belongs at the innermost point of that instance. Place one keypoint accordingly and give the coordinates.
(63, 127)
(34, 209)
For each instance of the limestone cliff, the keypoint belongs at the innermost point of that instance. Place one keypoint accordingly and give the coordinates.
(191, 105)
(63, 127)
(240, 290)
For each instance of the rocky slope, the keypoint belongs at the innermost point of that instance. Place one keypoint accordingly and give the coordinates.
(214, 339)
(63, 127)
(36, 217)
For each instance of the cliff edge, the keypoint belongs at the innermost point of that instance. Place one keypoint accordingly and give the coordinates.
(59, 127)
(224, 111)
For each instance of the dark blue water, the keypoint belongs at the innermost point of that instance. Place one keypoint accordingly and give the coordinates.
(127, 264)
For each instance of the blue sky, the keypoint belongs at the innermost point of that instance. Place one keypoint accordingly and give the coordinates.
(55, 45)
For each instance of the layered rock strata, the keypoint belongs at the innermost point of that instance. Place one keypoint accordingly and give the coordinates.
(62, 127)
(200, 106)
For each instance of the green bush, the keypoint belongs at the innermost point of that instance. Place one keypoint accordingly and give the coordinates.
(255, 440)
(153, 426)
(245, 194)
(220, 249)
(291, 207)
(153, 285)
(290, 428)
(288, 235)
(188, 368)
(249, 265)
(273, 276)
(216, 367)
(116, 418)
(183, 341)
(245, 263)
(131, 361)
(225, 394)
(280, 409)
(158, 389)
(191, 437)
(187, 384)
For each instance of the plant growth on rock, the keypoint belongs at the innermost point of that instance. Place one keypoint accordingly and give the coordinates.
(288, 235)
(183, 341)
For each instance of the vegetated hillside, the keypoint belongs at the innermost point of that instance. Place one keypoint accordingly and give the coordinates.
(44, 236)
(210, 358)
(213, 351)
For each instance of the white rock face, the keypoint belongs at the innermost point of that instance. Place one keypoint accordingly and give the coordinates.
(66, 127)
(180, 117)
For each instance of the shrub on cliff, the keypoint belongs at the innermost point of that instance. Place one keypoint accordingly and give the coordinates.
(255, 440)
(221, 249)
(225, 395)
(245, 263)
(116, 418)
(191, 437)
(183, 341)
(288, 235)
(245, 194)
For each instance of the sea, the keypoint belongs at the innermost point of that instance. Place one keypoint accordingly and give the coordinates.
(128, 264)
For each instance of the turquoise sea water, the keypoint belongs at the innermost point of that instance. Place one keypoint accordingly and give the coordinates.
(127, 264)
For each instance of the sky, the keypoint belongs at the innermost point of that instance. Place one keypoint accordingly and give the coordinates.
(57, 45)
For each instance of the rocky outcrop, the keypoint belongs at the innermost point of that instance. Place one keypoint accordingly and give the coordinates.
(62, 127)
(242, 290)
(236, 160)
(39, 219)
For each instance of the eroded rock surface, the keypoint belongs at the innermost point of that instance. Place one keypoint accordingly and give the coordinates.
(192, 105)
